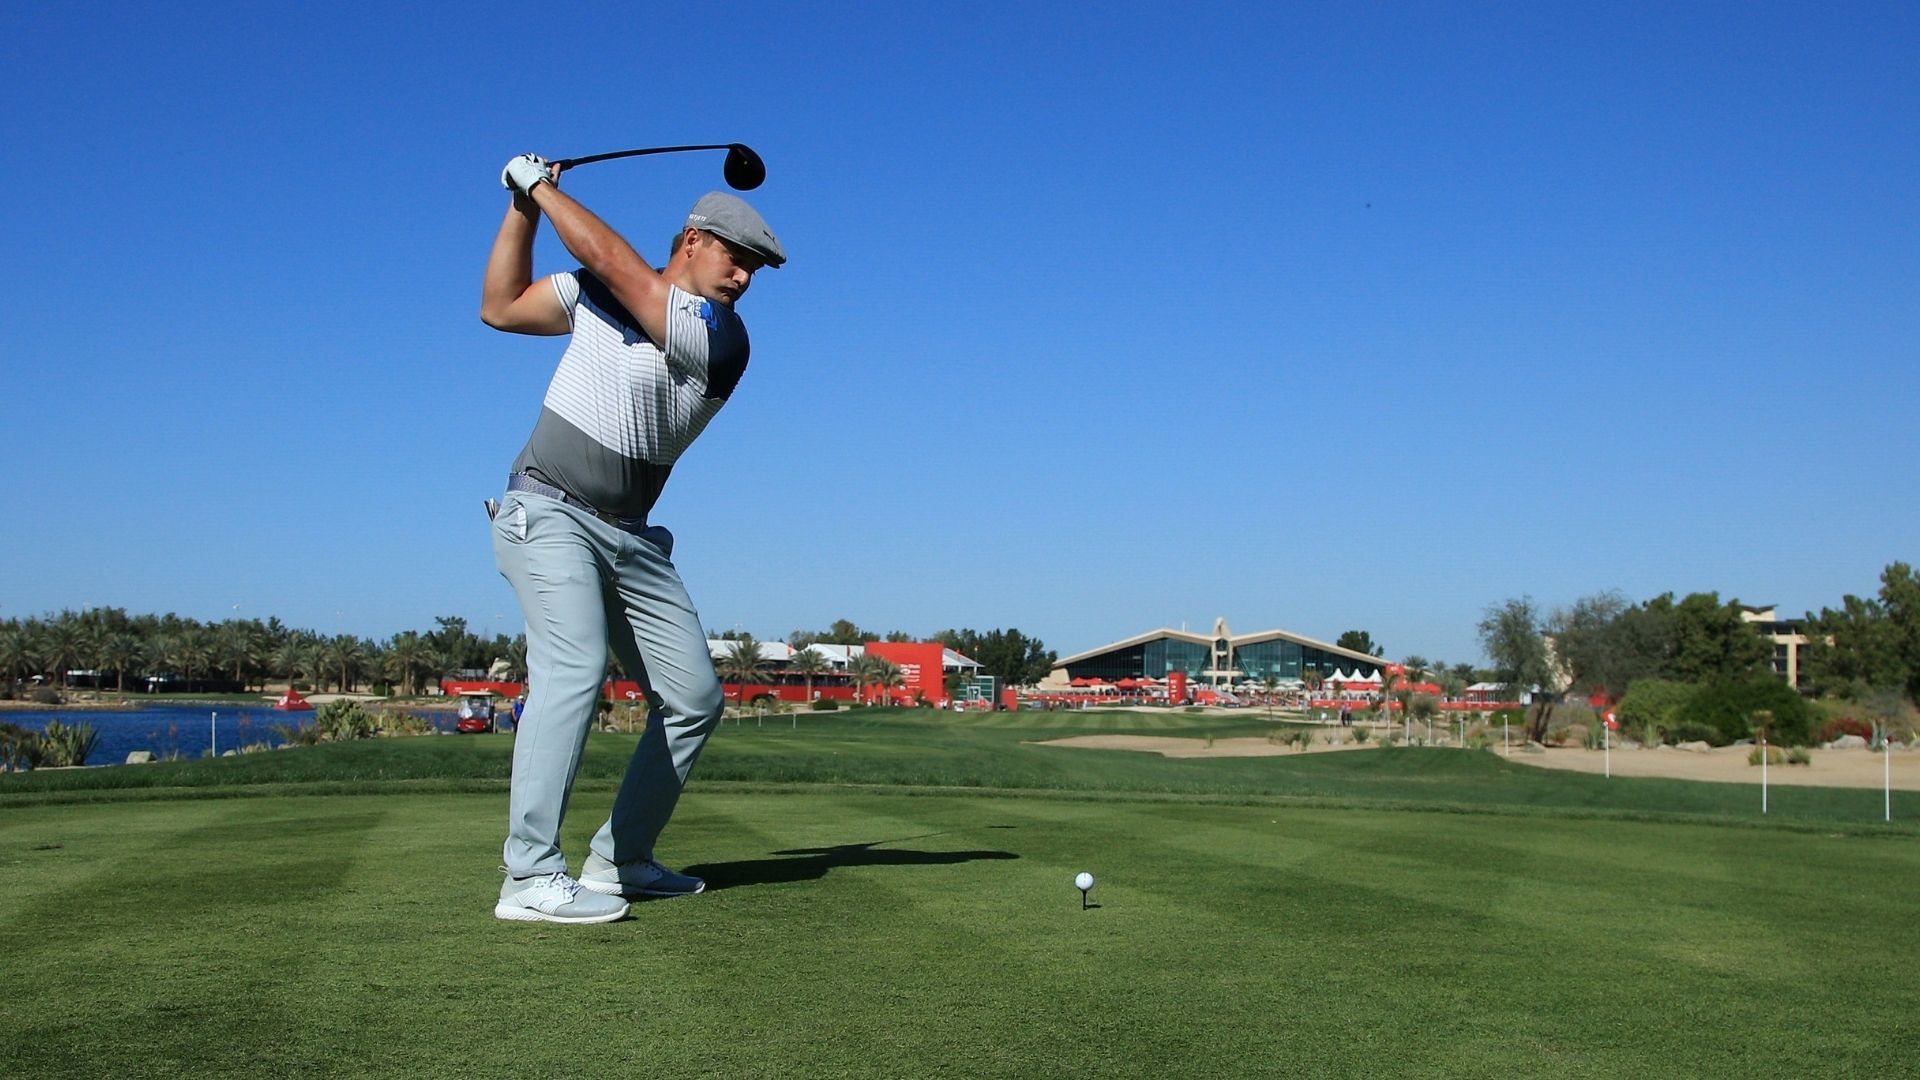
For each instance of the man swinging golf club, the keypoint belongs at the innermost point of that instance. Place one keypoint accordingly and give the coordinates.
(652, 356)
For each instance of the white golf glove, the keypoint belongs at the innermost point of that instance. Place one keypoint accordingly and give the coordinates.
(523, 172)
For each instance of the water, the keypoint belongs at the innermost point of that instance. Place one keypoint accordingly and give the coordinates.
(188, 730)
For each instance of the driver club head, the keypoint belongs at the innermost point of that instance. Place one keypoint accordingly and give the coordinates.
(744, 170)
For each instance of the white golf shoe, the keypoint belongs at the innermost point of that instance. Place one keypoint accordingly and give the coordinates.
(555, 898)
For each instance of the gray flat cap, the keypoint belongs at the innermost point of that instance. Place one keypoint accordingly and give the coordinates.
(730, 218)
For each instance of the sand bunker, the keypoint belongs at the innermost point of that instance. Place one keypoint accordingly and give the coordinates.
(1726, 765)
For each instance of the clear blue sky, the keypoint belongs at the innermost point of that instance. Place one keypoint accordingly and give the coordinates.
(1099, 318)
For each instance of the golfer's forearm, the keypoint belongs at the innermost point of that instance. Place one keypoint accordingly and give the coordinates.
(510, 263)
(589, 239)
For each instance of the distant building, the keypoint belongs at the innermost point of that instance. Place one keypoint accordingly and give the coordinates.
(1787, 635)
(1220, 659)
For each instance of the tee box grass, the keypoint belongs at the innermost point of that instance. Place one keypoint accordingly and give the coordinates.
(878, 909)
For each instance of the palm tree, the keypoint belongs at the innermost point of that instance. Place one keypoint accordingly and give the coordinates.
(349, 655)
(743, 664)
(288, 658)
(196, 650)
(122, 652)
(880, 674)
(163, 653)
(1270, 684)
(13, 652)
(809, 665)
(61, 647)
(889, 677)
(517, 658)
(403, 660)
(238, 646)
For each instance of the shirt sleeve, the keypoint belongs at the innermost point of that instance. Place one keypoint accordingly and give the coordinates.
(566, 287)
(705, 341)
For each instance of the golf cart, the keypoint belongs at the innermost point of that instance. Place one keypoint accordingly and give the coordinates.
(475, 712)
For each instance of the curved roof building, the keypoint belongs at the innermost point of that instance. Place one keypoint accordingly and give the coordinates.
(1218, 659)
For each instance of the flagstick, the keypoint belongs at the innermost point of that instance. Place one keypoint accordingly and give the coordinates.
(1763, 771)
(1606, 741)
(1886, 770)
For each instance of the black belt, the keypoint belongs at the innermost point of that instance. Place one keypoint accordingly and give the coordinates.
(523, 482)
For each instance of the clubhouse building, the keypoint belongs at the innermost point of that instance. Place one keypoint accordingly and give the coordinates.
(1221, 659)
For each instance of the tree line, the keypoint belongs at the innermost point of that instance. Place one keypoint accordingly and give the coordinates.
(1702, 660)
(126, 649)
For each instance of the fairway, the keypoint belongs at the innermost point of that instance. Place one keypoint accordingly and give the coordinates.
(901, 932)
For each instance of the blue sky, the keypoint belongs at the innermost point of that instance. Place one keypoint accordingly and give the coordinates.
(1099, 318)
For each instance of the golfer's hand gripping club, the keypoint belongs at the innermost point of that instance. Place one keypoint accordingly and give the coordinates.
(524, 172)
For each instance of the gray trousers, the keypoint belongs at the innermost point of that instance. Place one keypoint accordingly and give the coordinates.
(586, 586)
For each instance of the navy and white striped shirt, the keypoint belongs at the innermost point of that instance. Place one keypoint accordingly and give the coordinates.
(620, 409)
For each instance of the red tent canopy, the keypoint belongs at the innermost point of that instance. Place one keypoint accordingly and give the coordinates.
(1082, 682)
(1126, 684)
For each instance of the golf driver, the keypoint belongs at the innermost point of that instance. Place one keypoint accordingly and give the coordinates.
(743, 169)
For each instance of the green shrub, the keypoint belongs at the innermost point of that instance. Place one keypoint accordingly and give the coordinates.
(394, 722)
(68, 745)
(20, 748)
(1799, 755)
(1652, 706)
(1361, 734)
(1686, 732)
(297, 734)
(1775, 755)
(825, 704)
(341, 721)
(1728, 707)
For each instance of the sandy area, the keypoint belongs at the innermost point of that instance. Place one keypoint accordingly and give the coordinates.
(1727, 765)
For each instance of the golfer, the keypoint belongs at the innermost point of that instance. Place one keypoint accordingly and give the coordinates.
(651, 356)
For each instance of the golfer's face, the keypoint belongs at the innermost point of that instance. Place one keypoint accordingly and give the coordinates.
(722, 271)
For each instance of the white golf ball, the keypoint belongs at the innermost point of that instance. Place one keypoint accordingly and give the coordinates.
(1083, 881)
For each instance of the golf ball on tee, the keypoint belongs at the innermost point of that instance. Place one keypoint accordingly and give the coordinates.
(1083, 881)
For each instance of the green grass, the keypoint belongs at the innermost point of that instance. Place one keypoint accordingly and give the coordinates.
(1333, 915)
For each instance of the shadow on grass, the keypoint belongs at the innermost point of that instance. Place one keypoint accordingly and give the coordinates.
(811, 864)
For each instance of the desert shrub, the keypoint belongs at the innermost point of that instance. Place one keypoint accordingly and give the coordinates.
(1799, 755)
(825, 704)
(1845, 725)
(1361, 734)
(45, 695)
(1728, 707)
(1301, 739)
(68, 744)
(20, 748)
(394, 722)
(339, 721)
(1652, 706)
(297, 734)
(1687, 731)
(1775, 755)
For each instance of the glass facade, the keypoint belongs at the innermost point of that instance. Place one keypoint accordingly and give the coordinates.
(1290, 660)
(1169, 655)
(1279, 658)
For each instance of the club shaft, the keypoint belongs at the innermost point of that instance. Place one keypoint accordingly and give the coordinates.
(568, 163)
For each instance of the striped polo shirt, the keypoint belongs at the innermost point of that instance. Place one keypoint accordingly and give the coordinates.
(621, 409)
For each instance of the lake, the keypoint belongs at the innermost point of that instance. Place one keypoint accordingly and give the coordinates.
(189, 730)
